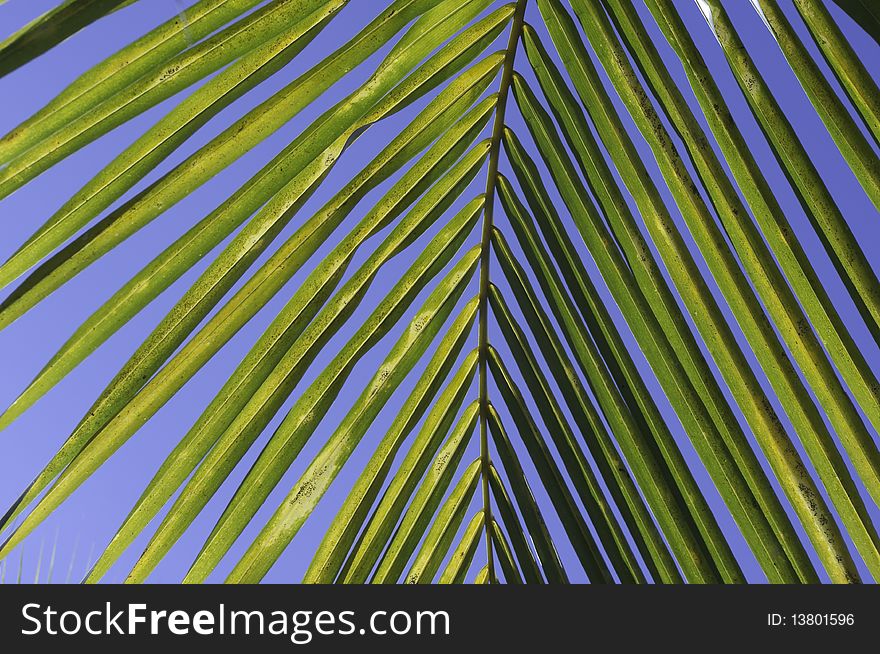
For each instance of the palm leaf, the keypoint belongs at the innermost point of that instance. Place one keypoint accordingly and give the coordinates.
(45, 32)
(570, 369)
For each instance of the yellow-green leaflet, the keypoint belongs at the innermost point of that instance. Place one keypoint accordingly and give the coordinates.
(446, 523)
(119, 70)
(278, 454)
(463, 554)
(309, 489)
(51, 28)
(859, 154)
(505, 556)
(436, 427)
(341, 534)
(525, 500)
(426, 500)
(518, 537)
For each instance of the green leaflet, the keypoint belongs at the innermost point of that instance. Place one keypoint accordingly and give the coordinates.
(634, 417)
(716, 434)
(422, 215)
(269, 349)
(698, 299)
(435, 428)
(245, 134)
(482, 576)
(341, 534)
(463, 554)
(634, 512)
(588, 552)
(849, 139)
(446, 523)
(276, 457)
(121, 69)
(139, 159)
(519, 484)
(50, 29)
(505, 556)
(427, 498)
(269, 25)
(518, 538)
(209, 232)
(859, 85)
(598, 508)
(299, 424)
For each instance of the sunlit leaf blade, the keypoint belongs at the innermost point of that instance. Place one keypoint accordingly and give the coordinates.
(726, 452)
(830, 224)
(446, 523)
(50, 29)
(707, 314)
(505, 556)
(525, 500)
(341, 534)
(743, 383)
(855, 148)
(463, 554)
(122, 68)
(638, 426)
(588, 552)
(426, 500)
(285, 329)
(308, 491)
(264, 404)
(643, 372)
(196, 304)
(518, 537)
(437, 425)
(255, 392)
(852, 74)
(816, 199)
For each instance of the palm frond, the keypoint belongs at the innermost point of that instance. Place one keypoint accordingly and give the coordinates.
(562, 323)
(48, 30)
